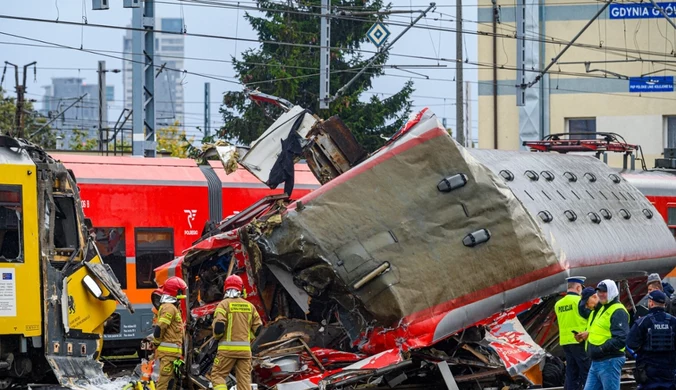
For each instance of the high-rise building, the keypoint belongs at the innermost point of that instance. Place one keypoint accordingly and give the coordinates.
(169, 51)
(84, 115)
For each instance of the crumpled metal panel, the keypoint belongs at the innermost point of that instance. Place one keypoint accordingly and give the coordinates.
(77, 372)
(105, 275)
(516, 349)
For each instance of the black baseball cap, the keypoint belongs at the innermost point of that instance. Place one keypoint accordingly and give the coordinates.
(602, 287)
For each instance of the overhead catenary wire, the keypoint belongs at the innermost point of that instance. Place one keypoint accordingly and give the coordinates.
(438, 59)
(112, 56)
(292, 77)
(312, 46)
(450, 30)
(562, 73)
(222, 78)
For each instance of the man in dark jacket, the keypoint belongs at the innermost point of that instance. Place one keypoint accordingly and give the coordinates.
(605, 338)
(652, 338)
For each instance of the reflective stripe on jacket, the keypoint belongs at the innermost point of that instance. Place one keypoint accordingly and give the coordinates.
(241, 320)
(170, 347)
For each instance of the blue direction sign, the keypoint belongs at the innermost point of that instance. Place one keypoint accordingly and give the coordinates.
(378, 34)
(641, 10)
(651, 84)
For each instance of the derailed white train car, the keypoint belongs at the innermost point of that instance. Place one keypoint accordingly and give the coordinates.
(420, 250)
(425, 259)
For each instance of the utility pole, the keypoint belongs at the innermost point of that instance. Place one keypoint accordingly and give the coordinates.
(324, 56)
(468, 115)
(459, 79)
(207, 110)
(20, 91)
(55, 117)
(143, 80)
(103, 104)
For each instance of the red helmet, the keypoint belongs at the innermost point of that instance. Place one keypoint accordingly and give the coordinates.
(234, 281)
(175, 287)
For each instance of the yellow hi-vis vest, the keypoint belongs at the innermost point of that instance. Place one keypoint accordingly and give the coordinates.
(569, 319)
(599, 325)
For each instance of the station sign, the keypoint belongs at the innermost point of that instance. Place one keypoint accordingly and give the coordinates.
(641, 10)
(651, 84)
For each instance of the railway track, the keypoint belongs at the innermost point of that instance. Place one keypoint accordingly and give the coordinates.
(116, 368)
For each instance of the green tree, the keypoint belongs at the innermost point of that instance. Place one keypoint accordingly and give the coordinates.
(32, 122)
(80, 140)
(173, 140)
(290, 72)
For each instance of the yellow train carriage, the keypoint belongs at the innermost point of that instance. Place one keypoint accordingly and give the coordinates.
(55, 293)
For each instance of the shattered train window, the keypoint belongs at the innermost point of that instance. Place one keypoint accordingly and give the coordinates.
(65, 224)
(111, 245)
(154, 247)
(11, 248)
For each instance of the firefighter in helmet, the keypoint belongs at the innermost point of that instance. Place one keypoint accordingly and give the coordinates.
(236, 322)
(652, 337)
(168, 332)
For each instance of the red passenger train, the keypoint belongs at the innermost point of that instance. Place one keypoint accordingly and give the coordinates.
(659, 186)
(147, 211)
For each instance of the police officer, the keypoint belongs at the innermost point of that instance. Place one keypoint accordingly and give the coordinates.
(652, 338)
(168, 333)
(236, 321)
(573, 320)
(605, 338)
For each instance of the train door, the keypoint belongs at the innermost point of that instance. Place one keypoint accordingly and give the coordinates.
(111, 245)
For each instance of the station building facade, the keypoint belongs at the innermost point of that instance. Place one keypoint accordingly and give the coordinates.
(617, 77)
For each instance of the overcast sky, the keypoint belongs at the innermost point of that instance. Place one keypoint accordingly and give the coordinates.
(435, 93)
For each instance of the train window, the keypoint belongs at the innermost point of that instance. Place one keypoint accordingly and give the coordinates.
(671, 219)
(10, 224)
(671, 216)
(154, 247)
(111, 245)
(65, 224)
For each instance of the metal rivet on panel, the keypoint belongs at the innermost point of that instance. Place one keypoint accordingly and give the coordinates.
(625, 214)
(594, 217)
(545, 216)
(507, 175)
(590, 176)
(532, 175)
(547, 175)
(570, 214)
(570, 176)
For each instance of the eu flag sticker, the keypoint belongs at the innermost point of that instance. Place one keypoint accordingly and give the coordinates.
(6, 276)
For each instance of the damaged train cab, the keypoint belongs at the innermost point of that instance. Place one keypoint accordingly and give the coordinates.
(424, 263)
(55, 292)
